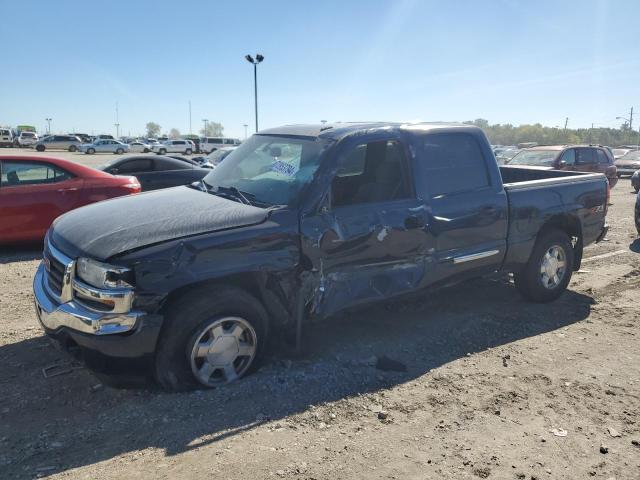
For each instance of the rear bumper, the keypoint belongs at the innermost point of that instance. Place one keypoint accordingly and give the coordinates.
(626, 170)
(72, 324)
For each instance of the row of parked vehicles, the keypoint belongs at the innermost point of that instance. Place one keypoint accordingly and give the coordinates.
(297, 223)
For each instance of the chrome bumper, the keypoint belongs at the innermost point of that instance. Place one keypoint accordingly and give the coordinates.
(54, 315)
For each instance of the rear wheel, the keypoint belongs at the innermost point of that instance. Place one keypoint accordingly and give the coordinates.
(188, 151)
(73, 148)
(162, 151)
(91, 151)
(211, 338)
(119, 151)
(548, 272)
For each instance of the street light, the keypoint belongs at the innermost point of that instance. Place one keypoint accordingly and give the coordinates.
(245, 130)
(259, 58)
(48, 120)
(206, 133)
(117, 125)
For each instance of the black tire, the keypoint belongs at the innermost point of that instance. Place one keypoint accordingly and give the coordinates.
(188, 151)
(529, 282)
(146, 150)
(91, 151)
(119, 151)
(186, 317)
(162, 151)
(40, 148)
(73, 148)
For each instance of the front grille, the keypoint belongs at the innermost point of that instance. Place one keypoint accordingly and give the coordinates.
(55, 273)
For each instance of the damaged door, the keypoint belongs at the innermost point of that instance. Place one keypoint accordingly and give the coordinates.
(369, 242)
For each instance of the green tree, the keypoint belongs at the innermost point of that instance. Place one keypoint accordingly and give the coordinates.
(153, 129)
(214, 129)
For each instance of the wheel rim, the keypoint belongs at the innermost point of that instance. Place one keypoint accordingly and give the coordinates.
(223, 351)
(553, 267)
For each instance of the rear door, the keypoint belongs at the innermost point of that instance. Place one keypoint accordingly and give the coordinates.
(141, 168)
(32, 195)
(467, 205)
(169, 172)
(586, 161)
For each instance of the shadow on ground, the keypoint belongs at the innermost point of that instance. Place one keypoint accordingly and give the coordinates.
(62, 422)
(9, 254)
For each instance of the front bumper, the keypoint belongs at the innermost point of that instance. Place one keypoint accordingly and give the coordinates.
(100, 333)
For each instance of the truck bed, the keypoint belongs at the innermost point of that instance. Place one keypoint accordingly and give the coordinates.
(537, 196)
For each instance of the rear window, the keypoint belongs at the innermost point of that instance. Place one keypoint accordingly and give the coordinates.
(4, 132)
(602, 157)
(453, 163)
(28, 134)
(535, 158)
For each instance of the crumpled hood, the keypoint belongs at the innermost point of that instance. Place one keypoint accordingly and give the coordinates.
(108, 228)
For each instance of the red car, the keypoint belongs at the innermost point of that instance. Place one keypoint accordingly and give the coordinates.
(36, 190)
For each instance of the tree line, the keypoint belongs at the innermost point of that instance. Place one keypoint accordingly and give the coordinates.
(507, 134)
(213, 129)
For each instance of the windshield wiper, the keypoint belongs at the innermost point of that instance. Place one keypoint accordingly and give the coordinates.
(233, 193)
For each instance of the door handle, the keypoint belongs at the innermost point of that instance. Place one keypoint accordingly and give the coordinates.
(413, 222)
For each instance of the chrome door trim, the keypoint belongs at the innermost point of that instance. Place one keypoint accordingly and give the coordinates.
(475, 256)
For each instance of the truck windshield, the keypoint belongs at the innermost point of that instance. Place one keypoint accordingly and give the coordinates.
(536, 158)
(270, 169)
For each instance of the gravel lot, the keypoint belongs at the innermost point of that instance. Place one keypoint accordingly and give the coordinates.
(489, 378)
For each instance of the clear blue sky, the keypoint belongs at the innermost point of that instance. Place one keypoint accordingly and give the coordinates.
(506, 61)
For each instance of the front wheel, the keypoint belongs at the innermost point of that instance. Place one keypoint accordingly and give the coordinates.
(73, 148)
(40, 148)
(162, 151)
(91, 151)
(211, 338)
(548, 272)
(188, 151)
(119, 151)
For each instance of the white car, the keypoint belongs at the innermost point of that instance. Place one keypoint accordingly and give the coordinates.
(139, 147)
(104, 146)
(218, 155)
(173, 146)
(6, 137)
(27, 139)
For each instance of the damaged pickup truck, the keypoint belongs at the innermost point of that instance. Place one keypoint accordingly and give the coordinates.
(298, 223)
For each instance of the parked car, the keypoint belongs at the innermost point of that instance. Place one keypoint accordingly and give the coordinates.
(173, 146)
(6, 137)
(35, 190)
(84, 138)
(503, 156)
(104, 137)
(27, 139)
(104, 146)
(58, 142)
(635, 181)
(210, 144)
(637, 213)
(574, 158)
(299, 223)
(619, 152)
(155, 172)
(139, 147)
(629, 163)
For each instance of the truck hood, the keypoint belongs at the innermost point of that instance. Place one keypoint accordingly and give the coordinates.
(105, 229)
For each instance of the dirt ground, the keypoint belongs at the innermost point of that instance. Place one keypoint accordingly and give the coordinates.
(489, 378)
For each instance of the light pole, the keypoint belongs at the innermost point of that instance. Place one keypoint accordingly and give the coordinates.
(48, 120)
(117, 125)
(259, 58)
(245, 130)
(206, 133)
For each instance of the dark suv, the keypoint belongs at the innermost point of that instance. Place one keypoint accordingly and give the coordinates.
(575, 158)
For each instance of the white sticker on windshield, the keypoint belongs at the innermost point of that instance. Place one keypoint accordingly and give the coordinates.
(283, 168)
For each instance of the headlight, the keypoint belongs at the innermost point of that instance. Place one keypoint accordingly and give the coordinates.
(103, 275)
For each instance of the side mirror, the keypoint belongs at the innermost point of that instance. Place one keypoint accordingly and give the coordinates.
(562, 163)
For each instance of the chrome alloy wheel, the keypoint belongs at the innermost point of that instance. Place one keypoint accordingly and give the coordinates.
(553, 267)
(223, 351)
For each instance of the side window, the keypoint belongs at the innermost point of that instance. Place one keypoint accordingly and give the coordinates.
(584, 156)
(134, 166)
(453, 163)
(26, 173)
(601, 156)
(569, 157)
(165, 164)
(371, 173)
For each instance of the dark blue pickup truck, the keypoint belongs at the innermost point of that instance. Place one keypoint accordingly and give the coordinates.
(296, 224)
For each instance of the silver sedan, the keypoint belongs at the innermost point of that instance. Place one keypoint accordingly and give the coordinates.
(104, 146)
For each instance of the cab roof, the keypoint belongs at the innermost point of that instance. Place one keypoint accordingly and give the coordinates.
(340, 130)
